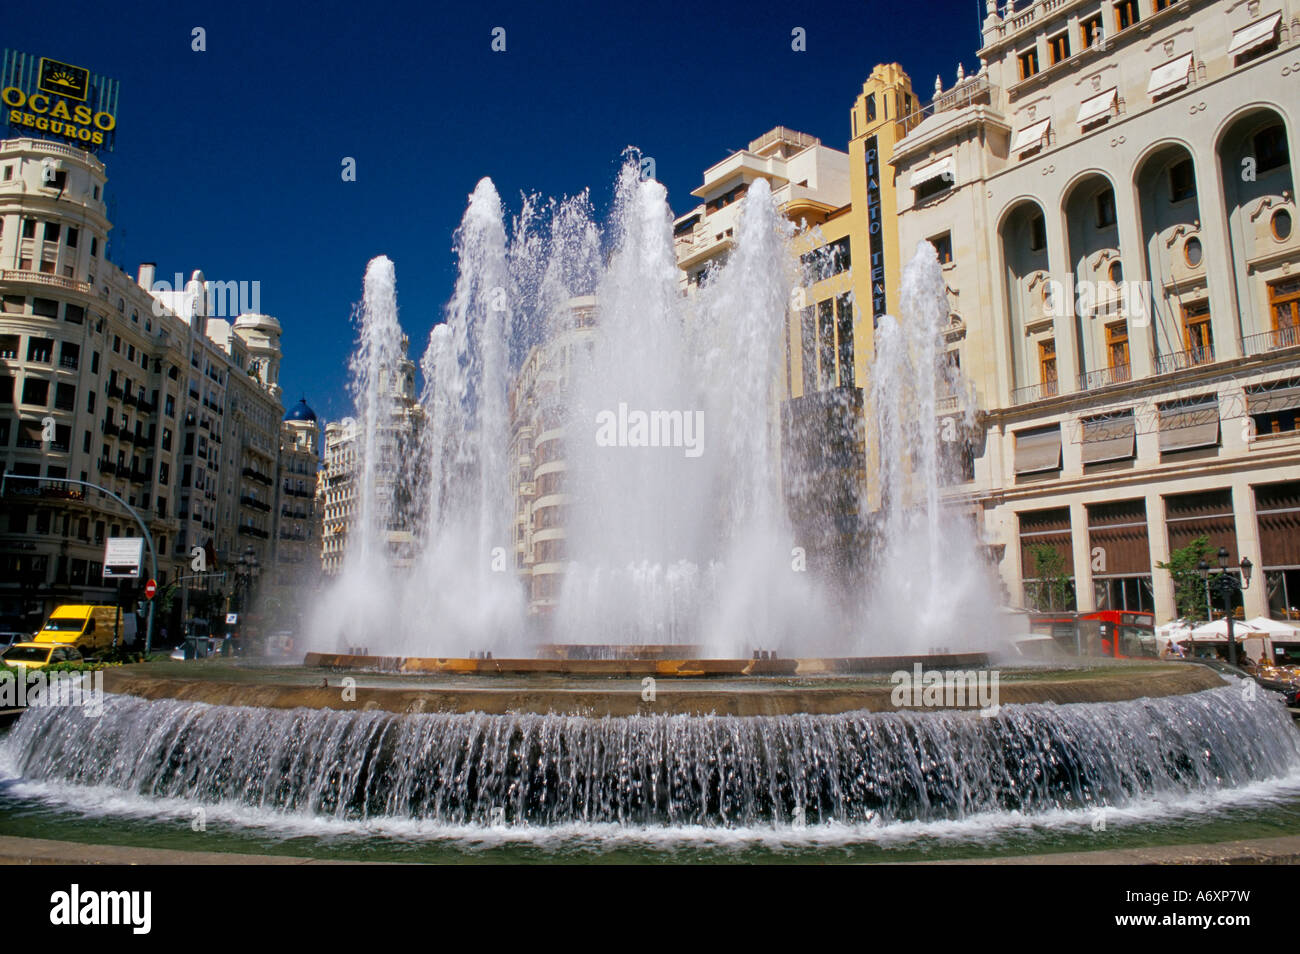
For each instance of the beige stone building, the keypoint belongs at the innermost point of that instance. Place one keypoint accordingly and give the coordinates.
(166, 396)
(397, 439)
(298, 543)
(1116, 199)
(538, 460)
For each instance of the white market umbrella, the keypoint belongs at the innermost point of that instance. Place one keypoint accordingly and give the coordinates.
(1275, 628)
(1217, 632)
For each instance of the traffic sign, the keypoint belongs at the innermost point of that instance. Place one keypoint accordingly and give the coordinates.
(150, 589)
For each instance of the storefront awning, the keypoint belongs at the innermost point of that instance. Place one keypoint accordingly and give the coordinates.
(1031, 137)
(1171, 76)
(1274, 401)
(939, 169)
(1188, 426)
(1098, 106)
(1038, 450)
(1254, 35)
(1108, 439)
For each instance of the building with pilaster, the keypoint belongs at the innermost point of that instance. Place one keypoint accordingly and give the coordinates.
(1113, 193)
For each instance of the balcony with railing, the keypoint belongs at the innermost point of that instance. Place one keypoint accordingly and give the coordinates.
(41, 278)
(1105, 377)
(972, 91)
(254, 503)
(1288, 336)
(1184, 360)
(1034, 392)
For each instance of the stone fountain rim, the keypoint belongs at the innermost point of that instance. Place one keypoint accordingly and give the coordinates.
(1152, 680)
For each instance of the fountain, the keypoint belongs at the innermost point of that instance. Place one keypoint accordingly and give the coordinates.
(707, 682)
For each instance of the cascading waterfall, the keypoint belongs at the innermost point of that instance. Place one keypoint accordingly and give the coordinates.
(663, 770)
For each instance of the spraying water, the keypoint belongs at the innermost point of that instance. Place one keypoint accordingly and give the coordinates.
(929, 584)
(632, 433)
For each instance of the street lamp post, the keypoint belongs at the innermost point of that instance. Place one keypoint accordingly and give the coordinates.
(245, 573)
(1225, 586)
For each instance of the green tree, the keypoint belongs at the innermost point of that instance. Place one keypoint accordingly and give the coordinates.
(1189, 587)
(1054, 589)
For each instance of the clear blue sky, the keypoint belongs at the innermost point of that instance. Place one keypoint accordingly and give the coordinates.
(229, 160)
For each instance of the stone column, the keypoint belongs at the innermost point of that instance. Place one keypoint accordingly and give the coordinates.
(1085, 598)
(1162, 585)
(1255, 597)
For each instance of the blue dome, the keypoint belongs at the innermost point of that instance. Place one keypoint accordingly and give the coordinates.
(300, 412)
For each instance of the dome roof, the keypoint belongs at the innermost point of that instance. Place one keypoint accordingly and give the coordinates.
(300, 412)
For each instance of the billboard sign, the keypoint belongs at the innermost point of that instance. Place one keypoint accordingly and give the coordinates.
(47, 98)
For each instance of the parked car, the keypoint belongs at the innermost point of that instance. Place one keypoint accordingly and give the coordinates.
(10, 638)
(40, 655)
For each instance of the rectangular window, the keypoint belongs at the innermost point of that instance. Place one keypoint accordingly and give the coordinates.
(73, 236)
(1271, 149)
(943, 247)
(1182, 181)
(29, 228)
(74, 313)
(1117, 350)
(1037, 234)
(9, 346)
(69, 355)
(871, 107)
(6, 389)
(1197, 332)
(1106, 209)
(1090, 30)
(94, 246)
(65, 396)
(1047, 366)
(51, 231)
(36, 392)
(1284, 306)
(45, 308)
(1126, 14)
(1028, 63)
(826, 342)
(94, 362)
(14, 304)
(1059, 47)
(808, 349)
(40, 349)
(844, 328)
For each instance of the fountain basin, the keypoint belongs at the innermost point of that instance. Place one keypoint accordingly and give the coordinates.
(615, 693)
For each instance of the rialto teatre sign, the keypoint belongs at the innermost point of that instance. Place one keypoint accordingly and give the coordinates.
(46, 98)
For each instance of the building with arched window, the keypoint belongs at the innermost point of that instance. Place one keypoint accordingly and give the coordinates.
(1119, 220)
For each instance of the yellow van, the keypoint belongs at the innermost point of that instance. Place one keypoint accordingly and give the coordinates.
(89, 628)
